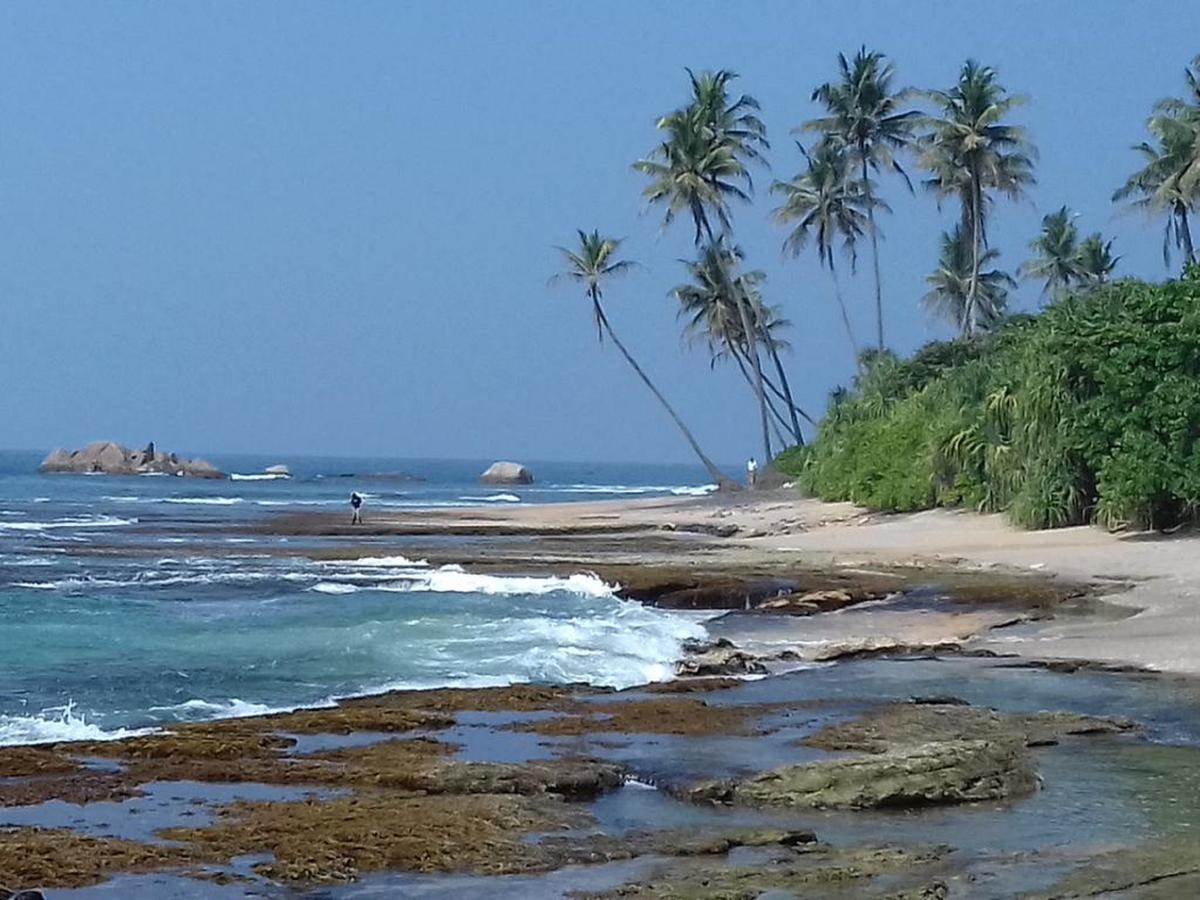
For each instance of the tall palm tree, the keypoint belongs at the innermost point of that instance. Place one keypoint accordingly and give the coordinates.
(867, 118)
(1165, 184)
(702, 162)
(824, 205)
(970, 151)
(1095, 260)
(591, 264)
(1056, 249)
(951, 283)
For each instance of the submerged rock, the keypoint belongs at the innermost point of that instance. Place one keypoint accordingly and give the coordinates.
(108, 458)
(506, 473)
(936, 772)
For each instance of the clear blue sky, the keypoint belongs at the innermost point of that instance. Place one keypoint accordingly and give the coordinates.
(327, 227)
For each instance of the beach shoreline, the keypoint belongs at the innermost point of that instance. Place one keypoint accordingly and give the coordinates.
(883, 628)
(1154, 578)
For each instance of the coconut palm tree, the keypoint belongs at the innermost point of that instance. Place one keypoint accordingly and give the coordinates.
(824, 205)
(1165, 184)
(709, 307)
(592, 263)
(689, 174)
(703, 162)
(1056, 249)
(1187, 110)
(969, 151)
(1095, 261)
(867, 118)
(951, 283)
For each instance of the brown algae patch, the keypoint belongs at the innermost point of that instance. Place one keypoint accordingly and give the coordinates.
(38, 857)
(336, 840)
(685, 716)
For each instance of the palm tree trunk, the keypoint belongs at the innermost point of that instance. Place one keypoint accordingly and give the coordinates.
(973, 285)
(866, 183)
(841, 302)
(776, 415)
(748, 330)
(713, 472)
(1186, 234)
(787, 394)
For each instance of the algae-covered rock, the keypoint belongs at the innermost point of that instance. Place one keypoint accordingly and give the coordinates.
(936, 772)
(918, 722)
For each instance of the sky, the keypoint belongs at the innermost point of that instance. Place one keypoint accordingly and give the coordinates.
(327, 228)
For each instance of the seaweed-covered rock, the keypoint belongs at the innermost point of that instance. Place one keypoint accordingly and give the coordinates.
(937, 772)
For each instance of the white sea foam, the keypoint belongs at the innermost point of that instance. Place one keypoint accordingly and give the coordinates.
(493, 498)
(380, 561)
(259, 476)
(622, 489)
(205, 501)
(224, 709)
(69, 522)
(58, 724)
(333, 587)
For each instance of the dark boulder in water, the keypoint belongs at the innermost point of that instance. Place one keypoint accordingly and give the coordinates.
(108, 458)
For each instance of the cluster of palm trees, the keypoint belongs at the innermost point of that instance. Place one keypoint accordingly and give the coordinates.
(969, 153)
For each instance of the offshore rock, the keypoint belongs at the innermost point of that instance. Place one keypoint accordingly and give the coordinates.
(108, 458)
(506, 473)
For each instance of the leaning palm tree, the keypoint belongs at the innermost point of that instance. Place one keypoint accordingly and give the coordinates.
(969, 151)
(951, 283)
(709, 306)
(824, 204)
(592, 263)
(867, 118)
(1164, 184)
(1095, 261)
(1056, 254)
(702, 162)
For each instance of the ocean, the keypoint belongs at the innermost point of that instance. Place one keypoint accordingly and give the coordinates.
(127, 603)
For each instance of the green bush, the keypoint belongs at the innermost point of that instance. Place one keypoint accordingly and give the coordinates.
(1089, 411)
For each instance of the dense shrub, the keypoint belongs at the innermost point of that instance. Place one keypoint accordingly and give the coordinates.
(1088, 411)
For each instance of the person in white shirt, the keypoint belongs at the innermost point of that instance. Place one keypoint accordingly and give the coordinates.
(751, 472)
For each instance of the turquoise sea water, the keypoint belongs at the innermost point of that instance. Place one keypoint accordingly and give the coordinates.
(111, 620)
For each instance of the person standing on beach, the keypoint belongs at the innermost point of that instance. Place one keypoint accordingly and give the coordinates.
(356, 502)
(751, 472)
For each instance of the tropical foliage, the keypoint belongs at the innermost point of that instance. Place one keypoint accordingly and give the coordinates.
(1088, 412)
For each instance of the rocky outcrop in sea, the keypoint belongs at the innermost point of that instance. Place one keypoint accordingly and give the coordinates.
(108, 458)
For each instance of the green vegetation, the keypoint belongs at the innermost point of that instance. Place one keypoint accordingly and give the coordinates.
(1087, 412)
(1081, 413)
